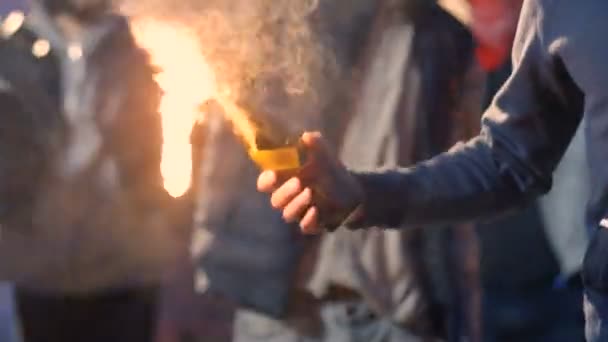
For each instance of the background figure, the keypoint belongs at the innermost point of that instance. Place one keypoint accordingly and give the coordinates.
(189, 312)
(244, 252)
(415, 92)
(235, 230)
(89, 231)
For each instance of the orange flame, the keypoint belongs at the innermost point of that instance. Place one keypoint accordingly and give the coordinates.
(241, 123)
(187, 81)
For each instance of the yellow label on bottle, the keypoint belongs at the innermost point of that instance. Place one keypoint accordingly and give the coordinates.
(284, 158)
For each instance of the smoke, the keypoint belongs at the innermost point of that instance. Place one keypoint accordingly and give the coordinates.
(254, 45)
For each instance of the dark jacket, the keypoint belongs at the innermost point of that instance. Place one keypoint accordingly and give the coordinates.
(558, 75)
(244, 250)
(102, 224)
(425, 58)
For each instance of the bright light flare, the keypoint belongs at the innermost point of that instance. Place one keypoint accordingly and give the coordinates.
(187, 82)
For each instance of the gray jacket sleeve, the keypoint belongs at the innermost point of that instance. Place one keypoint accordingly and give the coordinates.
(524, 134)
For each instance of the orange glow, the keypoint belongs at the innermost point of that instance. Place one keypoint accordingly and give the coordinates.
(187, 81)
(240, 121)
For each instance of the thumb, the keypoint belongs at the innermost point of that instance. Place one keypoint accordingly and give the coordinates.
(315, 142)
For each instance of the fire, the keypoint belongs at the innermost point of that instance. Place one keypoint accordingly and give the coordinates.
(240, 121)
(187, 81)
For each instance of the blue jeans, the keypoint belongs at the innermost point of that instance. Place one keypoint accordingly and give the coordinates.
(596, 316)
(540, 315)
(341, 322)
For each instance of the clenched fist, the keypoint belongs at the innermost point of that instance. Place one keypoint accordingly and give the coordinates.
(323, 195)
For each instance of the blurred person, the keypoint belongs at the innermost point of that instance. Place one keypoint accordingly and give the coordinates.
(525, 132)
(244, 252)
(376, 285)
(240, 241)
(190, 313)
(87, 228)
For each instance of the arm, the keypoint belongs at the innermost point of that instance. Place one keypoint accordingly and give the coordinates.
(524, 134)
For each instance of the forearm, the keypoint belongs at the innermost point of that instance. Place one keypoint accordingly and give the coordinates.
(525, 132)
(474, 180)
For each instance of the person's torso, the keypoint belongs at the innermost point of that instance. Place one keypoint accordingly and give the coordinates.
(395, 122)
(243, 248)
(85, 231)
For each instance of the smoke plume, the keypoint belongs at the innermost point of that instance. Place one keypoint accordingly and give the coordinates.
(253, 44)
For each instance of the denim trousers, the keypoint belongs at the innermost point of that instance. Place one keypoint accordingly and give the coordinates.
(533, 315)
(342, 322)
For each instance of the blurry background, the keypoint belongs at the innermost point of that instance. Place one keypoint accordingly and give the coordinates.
(519, 279)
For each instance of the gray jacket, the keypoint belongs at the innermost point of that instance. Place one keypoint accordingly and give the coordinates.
(88, 213)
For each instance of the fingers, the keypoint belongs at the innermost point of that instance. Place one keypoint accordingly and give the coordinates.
(292, 197)
(267, 181)
(297, 202)
(298, 206)
(310, 222)
(286, 193)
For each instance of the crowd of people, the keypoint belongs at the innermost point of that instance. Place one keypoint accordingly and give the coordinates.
(92, 247)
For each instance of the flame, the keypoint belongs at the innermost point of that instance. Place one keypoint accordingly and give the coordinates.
(187, 81)
(240, 121)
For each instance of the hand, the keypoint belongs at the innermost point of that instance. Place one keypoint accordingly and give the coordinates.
(324, 193)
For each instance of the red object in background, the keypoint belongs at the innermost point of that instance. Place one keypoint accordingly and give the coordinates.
(494, 25)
